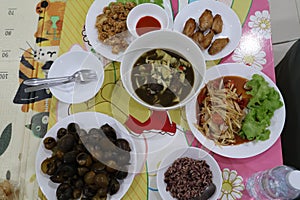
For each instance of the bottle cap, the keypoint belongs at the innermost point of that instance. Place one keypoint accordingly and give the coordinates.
(294, 179)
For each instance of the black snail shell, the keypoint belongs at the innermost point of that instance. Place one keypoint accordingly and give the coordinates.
(98, 167)
(121, 175)
(123, 144)
(73, 128)
(77, 193)
(64, 191)
(89, 177)
(66, 143)
(63, 173)
(81, 171)
(49, 166)
(84, 159)
(109, 132)
(61, 132)
(49, 143)
(70, 157)
(102, 180)
(114, 186)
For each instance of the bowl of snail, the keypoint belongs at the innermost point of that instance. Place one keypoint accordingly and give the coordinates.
(163, 70)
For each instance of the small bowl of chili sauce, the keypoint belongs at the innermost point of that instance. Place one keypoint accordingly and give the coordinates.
(145, 18)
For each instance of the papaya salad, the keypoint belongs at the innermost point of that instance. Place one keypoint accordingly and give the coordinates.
(234, 110)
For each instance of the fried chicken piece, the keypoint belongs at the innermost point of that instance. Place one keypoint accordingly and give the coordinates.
(198, 37)
(189, 27)
(204, 44)
(217, 25)
(206, 20)
(218, 45)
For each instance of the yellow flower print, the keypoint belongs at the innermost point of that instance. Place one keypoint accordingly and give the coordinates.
(254, 59)
(260, 23)
(232, 186)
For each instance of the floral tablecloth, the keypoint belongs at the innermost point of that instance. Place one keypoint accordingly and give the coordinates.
(60, 27)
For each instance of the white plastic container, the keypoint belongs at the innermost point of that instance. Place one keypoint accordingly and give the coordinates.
(280, 183)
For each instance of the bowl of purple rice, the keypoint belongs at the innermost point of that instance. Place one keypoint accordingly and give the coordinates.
(189, 174)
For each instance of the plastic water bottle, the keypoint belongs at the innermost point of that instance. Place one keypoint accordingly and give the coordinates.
(280, 183)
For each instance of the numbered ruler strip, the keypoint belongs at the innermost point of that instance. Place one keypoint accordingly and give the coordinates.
(10, 50)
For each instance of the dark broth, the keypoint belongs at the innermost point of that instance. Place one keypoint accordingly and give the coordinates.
(239, 83)
(162, 78)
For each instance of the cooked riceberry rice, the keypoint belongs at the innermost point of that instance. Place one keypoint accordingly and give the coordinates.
(187, 178)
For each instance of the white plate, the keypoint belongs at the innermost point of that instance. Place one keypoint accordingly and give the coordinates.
(69, 63)
(92, 34)
(231, 23)
(85, 120)
(191, 152)
(244, 150)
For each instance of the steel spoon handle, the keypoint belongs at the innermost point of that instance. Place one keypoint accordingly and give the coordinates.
(41, 87)
(37, 81)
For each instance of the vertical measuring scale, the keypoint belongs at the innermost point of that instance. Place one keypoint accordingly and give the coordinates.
(7, 34)
(18, 23)
(8, 53)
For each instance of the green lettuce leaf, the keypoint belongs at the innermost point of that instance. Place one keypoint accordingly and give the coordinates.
(262, 105)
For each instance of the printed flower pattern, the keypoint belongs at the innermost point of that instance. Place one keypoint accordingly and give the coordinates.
(232, 186)
(251, 58)
(260, 23)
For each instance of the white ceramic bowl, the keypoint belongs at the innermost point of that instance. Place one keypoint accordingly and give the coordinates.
(147, 10)
(169, 40)
(66, 65)
(190, 152)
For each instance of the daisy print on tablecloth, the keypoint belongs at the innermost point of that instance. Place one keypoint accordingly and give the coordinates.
(260, 23)
(232, 186)
(255, 59)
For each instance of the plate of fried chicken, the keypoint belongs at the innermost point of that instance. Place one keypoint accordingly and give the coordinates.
(212, 25)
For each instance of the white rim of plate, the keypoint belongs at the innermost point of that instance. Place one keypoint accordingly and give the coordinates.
(230, 19)
(91, 120)
(76, 92)
(244, 150)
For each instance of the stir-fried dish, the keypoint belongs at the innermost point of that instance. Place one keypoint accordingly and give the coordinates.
(222, 105)
(162, 78)
(234, 110)
(111, 25)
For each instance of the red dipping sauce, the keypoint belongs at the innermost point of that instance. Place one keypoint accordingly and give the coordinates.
(147, 24)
